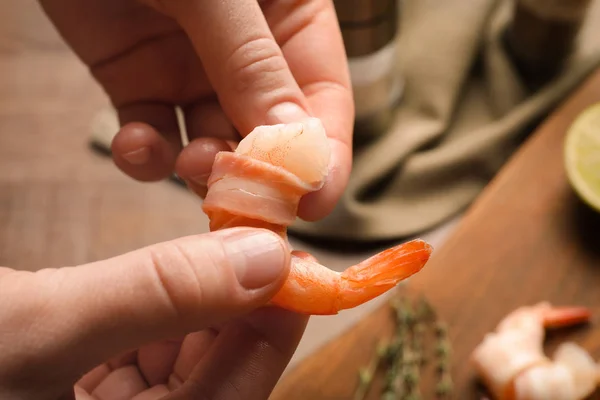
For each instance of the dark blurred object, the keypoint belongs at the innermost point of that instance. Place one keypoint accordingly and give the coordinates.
(367, 25)
(369, 29)
(542, 36)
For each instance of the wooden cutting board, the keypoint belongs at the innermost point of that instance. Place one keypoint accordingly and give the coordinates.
(526, 239)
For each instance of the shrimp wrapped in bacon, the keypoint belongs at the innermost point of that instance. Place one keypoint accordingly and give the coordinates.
(260, 184)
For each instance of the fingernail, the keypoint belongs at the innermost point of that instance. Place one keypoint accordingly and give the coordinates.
(258, 257)
(137, 157)
(285, 113)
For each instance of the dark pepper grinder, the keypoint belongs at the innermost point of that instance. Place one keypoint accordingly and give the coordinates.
(542, 36)
(369, 29)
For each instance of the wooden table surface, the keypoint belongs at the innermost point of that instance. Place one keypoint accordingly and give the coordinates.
(527, 239)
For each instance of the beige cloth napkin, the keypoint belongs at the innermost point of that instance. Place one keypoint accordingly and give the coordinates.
(463, 113)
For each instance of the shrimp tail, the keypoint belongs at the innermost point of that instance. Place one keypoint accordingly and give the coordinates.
(381, 272)
(558, 317)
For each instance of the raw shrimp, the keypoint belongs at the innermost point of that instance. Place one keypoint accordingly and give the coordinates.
(512, 364)
(261, 183)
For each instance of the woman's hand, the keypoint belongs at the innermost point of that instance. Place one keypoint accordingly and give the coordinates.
(230, 64)
(179, 318)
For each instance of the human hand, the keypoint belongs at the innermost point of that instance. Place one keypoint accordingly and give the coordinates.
(180, 319)
(230, 64)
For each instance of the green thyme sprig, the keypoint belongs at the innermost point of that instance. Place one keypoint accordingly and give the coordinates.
(404, 355)
(367, 374)
(404, 319)
(444, 385)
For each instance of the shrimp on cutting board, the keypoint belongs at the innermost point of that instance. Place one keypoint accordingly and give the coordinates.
(512, 364)
(260, 184)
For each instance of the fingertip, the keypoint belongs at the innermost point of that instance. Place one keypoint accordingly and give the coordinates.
(317, 205)
(142, 153)
(195, 162)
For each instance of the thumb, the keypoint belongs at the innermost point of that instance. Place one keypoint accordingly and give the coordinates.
(79, 317)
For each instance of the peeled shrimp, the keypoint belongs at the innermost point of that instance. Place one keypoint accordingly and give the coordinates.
(260, 184)
(512, 364)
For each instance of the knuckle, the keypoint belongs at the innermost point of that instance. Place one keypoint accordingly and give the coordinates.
(192, 279)
(176, 278)
(255, 65)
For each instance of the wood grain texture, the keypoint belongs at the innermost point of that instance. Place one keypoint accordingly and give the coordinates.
(526, 239)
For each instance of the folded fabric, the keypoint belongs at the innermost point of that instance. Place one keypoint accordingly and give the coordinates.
(464, 112)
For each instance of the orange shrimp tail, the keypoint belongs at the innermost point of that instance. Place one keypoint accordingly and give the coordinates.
(558, 317)
(382, 272)
(314, 289)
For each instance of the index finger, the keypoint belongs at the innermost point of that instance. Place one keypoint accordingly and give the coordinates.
(242, 60)
(263, 65)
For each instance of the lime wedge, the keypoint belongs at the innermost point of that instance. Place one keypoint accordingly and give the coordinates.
(582, 155)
